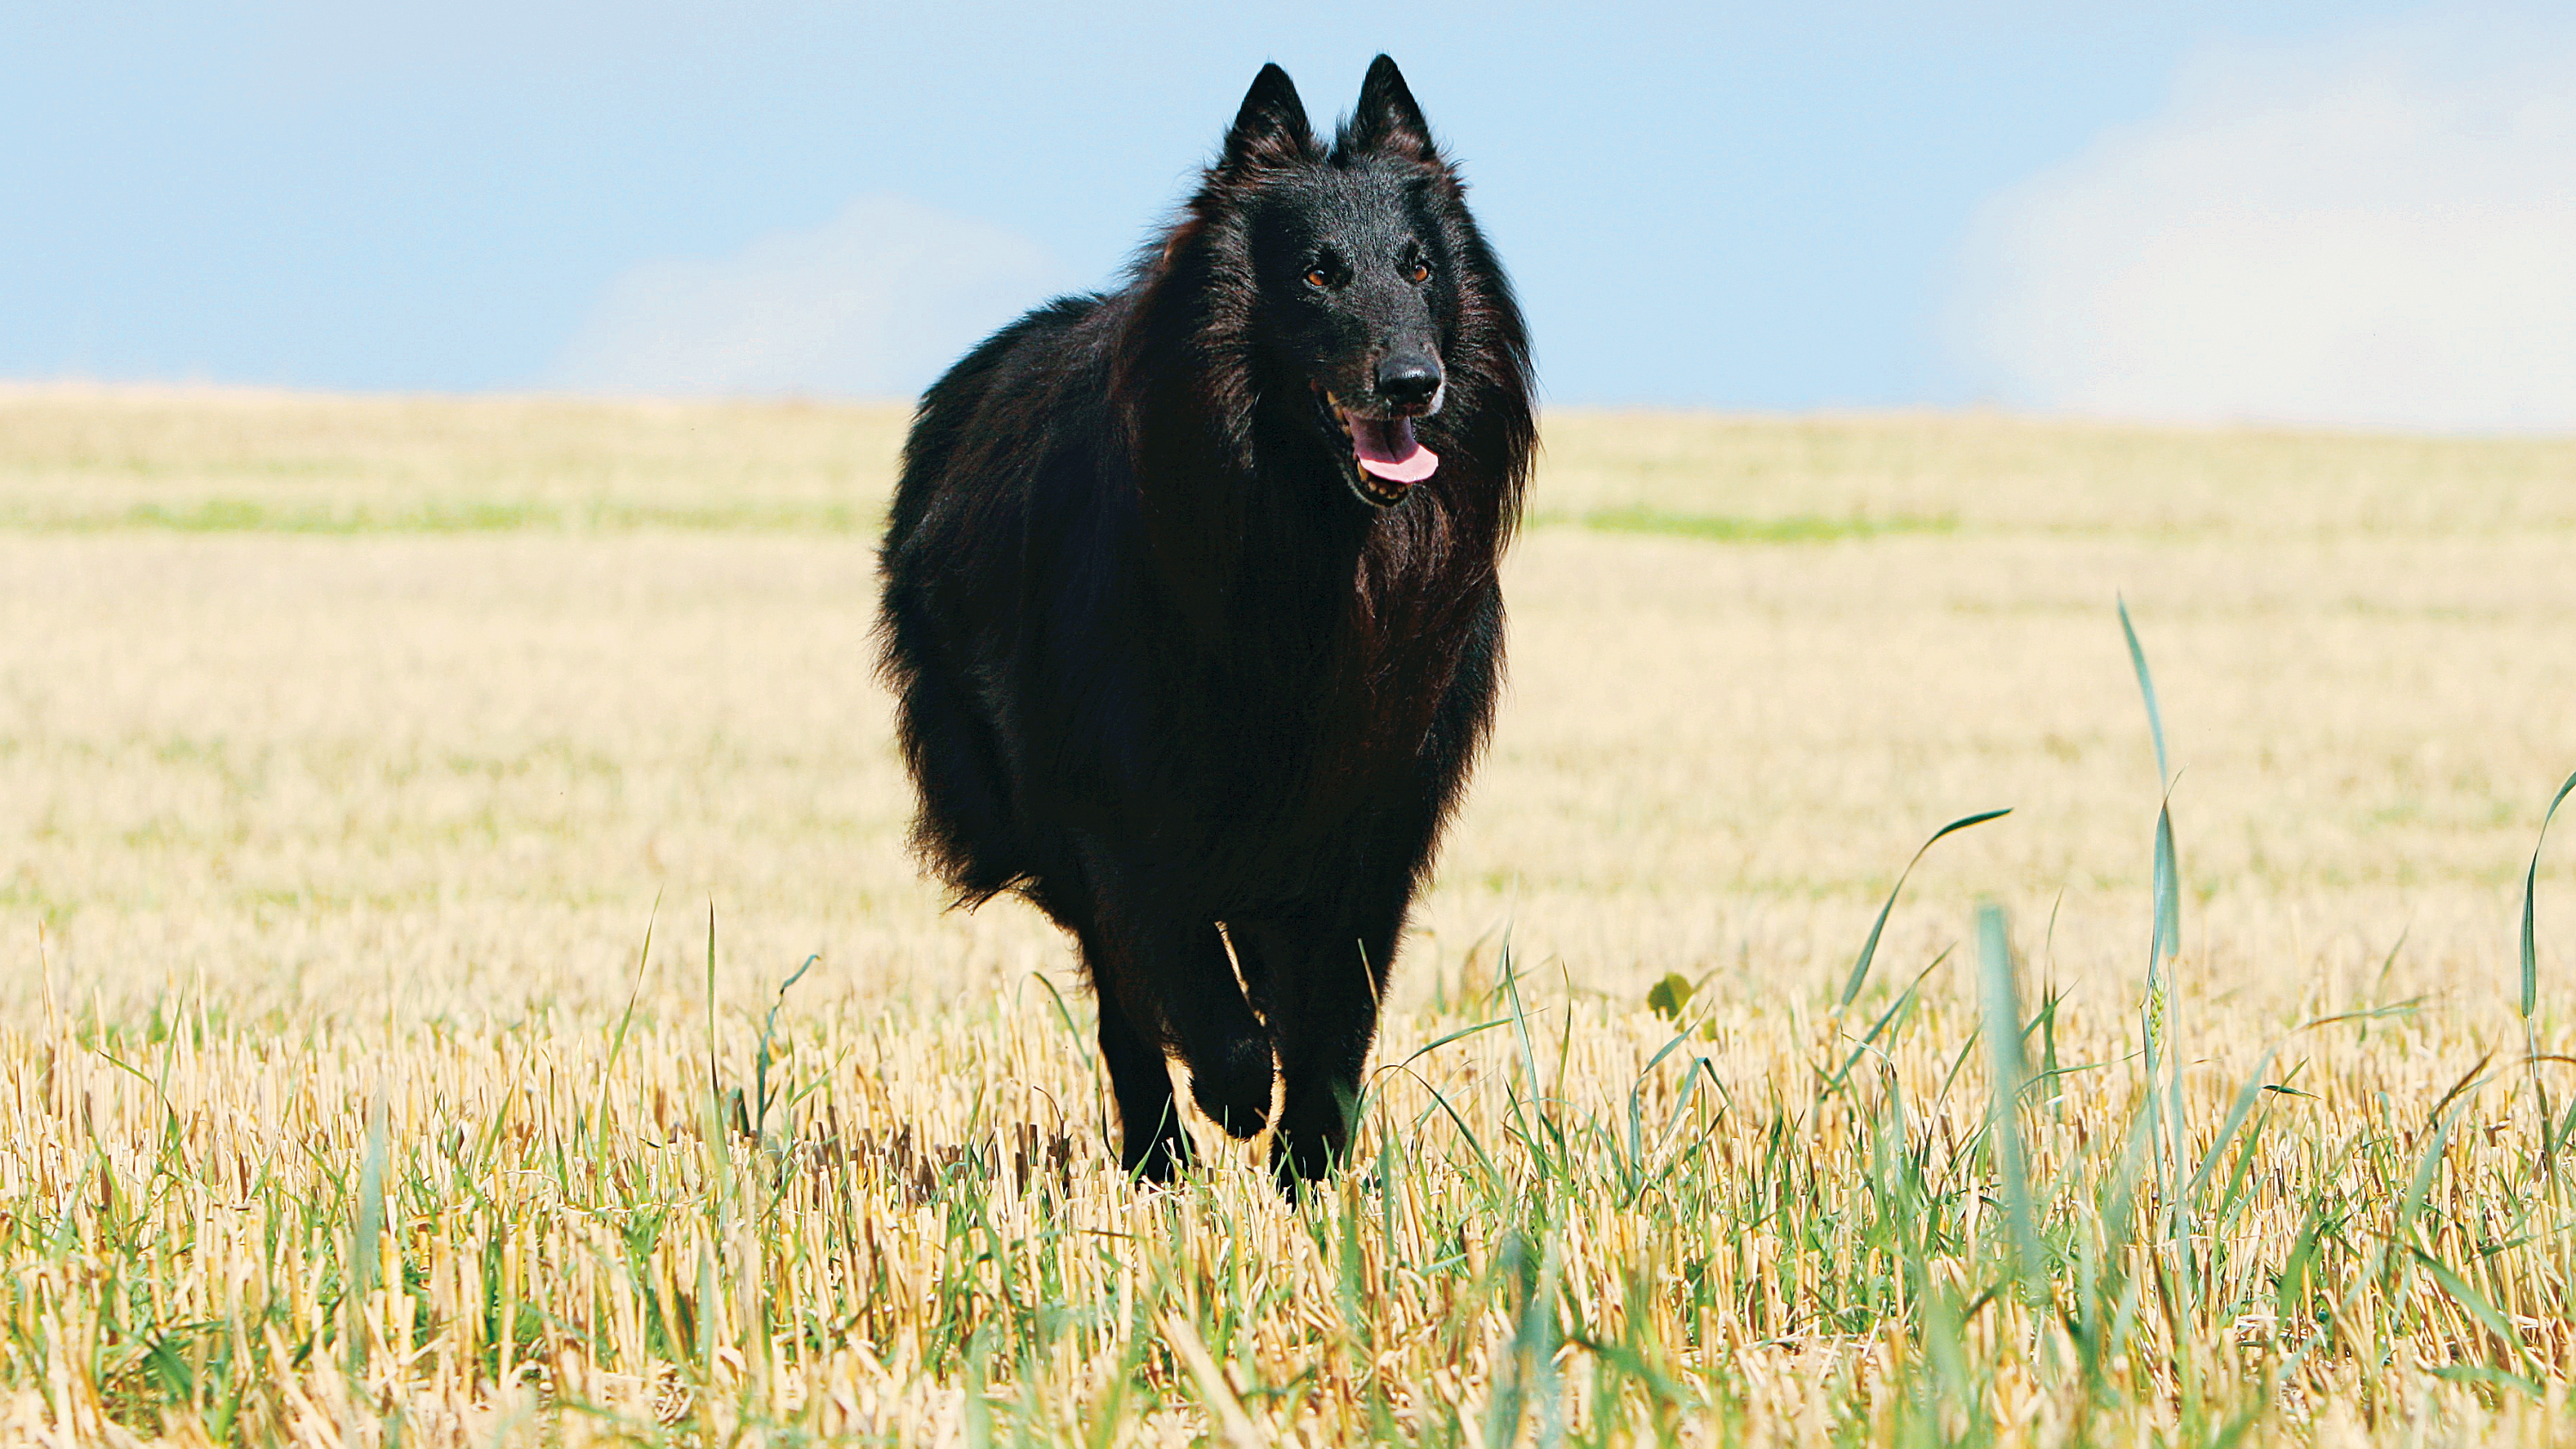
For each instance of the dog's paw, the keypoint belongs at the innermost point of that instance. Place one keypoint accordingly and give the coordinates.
(1234, 1090)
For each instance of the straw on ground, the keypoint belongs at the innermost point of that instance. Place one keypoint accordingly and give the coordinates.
(358, 1089)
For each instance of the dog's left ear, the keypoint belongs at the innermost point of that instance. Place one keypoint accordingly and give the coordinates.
(1270, 130)
(1388, 122)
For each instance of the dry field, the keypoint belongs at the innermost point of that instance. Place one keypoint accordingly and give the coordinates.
(350, 751)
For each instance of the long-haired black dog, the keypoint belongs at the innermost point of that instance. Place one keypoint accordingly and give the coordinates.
(1191, 609)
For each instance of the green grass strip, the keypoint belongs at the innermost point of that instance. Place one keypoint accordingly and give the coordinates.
(1728, 528)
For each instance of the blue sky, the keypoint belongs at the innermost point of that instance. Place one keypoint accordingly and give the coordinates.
(1753, 207)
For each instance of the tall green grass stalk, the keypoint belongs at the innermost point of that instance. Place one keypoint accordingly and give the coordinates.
(1869, 947)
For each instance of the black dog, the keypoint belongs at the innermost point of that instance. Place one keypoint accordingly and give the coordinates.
(1191, 608)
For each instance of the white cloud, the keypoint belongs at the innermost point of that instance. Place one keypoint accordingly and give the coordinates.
(2378, 231)
(873, 303)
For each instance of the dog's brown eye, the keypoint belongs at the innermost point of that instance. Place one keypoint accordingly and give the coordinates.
(1315, 277)
(1418, 274)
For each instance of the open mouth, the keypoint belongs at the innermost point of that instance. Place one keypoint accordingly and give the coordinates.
(1386, 458)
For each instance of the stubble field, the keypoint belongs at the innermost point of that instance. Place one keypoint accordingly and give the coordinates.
(350, 750)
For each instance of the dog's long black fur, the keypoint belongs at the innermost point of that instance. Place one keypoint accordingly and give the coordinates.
(1171, 662)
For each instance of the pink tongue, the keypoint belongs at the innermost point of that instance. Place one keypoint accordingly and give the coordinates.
(1389, 450)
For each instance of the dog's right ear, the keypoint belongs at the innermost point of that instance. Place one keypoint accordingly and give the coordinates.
(1271, 128)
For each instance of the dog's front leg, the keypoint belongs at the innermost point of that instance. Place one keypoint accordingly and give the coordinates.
(1173, 970)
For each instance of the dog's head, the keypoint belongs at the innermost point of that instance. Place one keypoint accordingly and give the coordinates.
(1352, 271)
(1334, 308)
(1335, 274)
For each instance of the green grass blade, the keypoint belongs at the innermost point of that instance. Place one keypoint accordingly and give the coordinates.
(2246, 1097)
(2420, 1185)
(1484, 1159)
(1368, 1098)
(1535, 1107)
(1999, 1002)
(617, 1043)
(762, 1061)
(2531, 888)
(2478, 1373)
(2146, 687)
(2163, 1075)
(715, 1070)
(1869, 948)
(363, 1264)
(2472, 1300)
(1063, 1013)
(1879, 1028)
(2168, 891)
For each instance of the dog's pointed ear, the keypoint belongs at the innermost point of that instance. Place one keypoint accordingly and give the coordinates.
(1271, 128)
(1388, 123)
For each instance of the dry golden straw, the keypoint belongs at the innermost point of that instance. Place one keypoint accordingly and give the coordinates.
(347, 747)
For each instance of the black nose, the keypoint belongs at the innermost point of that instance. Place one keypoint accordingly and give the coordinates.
(1408, 379)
